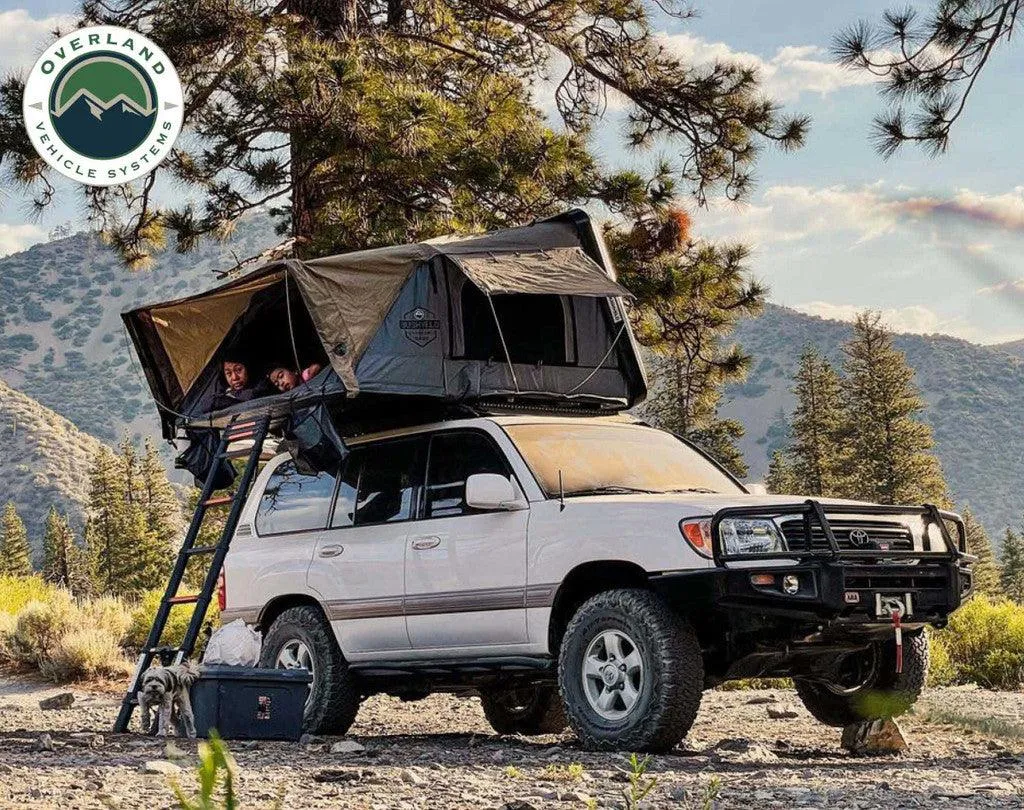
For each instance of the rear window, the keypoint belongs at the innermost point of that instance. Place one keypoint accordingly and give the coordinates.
(294, 502)
(596, 458)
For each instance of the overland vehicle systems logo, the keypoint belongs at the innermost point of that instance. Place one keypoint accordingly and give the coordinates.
(103, 105)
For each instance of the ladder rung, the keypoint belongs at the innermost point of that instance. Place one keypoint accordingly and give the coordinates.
(200, 550)
(246, 451)
(158, 650)
(243, 434)
(219, 500)
(183, 600)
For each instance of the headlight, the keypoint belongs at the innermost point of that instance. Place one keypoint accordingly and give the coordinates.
(750, 536)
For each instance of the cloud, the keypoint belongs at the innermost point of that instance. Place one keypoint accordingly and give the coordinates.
(23, 37)
(913, 319)
(1012, 291)
(791, 72)
(14, 238)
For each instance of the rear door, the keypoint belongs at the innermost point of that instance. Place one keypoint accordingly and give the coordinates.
(465, 569)
(359, 562)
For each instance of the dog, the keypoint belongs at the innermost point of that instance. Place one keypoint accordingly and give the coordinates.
(165, 690)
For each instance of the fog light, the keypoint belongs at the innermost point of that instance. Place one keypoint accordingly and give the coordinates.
(762, 579)
(791, 584)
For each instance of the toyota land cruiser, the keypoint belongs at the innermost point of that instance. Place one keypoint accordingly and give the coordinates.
(591, 571)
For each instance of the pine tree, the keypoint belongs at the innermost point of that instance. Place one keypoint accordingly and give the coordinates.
(163, 509)
(1012, 574)
(986, 570)
(127, 555)
(817, 448)
(383, 121)
(780, 479)
(64, 562)
(889, 447)
(15, 553)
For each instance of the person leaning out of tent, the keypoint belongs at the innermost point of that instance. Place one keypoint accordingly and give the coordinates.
(284, 379)
(240, 385)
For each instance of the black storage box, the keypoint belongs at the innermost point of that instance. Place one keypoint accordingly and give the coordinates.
(246, 703)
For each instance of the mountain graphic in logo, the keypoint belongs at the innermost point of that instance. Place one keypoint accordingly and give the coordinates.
(103, 105)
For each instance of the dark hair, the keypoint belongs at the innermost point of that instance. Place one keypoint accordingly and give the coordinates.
(235, 356)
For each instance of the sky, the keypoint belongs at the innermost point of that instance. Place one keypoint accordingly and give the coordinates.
(936, 244)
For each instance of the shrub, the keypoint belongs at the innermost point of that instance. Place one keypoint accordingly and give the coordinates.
(177, 623)
(16, 592)
(8, 622)
(40, 626)
(983, 644)
(85, 653)
(108, 614)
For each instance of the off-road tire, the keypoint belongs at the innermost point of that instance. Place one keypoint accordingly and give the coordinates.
(672, 676)
(335, 699)
(884, 693)
(530, 710)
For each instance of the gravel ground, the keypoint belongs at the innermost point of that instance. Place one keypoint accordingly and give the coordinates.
(967, 750)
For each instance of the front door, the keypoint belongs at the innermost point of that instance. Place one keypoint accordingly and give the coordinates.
(465, 570)
(359, 561)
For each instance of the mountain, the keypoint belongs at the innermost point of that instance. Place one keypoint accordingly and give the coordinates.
(103, 131)
(975, 397)
(45, 462)
(1014, 347)
(61, 338)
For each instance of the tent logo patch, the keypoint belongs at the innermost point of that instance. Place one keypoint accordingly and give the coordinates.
(420, 325)
(103, 105)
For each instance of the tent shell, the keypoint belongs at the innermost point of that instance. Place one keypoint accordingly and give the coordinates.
(357, 304)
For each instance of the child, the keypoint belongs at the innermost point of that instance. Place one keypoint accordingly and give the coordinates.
(284, 379)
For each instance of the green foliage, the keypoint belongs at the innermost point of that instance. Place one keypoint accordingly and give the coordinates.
(15, 554)
(85, 653)
(215, 773)
(144, 611)
(983, 644)
(16, 592)
(64, 562)
(1012, 572)
(40, 625)
(986, 571)
(780, 479)
(820, 461)
(129, 528)
(639, 783)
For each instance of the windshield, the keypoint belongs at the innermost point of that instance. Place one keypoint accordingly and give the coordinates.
(608, 458)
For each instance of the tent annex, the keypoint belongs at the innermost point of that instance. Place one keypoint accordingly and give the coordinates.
(526, 316)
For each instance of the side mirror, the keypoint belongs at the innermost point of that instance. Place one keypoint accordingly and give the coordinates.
(492, 492)
(757, 489)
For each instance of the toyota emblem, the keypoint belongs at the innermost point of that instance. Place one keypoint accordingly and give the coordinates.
(859, 538)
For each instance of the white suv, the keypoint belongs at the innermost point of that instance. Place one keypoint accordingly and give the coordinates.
(591, 570)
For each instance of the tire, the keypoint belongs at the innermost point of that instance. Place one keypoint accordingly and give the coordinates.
(882, 692)
(664, 690)
(334, 699)
(531, 710)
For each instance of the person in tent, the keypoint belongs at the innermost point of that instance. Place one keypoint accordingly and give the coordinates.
(240, 385)
(284, 379)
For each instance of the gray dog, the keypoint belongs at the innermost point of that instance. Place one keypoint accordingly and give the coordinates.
(165, 690)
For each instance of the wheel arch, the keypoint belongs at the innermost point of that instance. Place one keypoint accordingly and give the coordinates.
(583, 582)
(279, 604)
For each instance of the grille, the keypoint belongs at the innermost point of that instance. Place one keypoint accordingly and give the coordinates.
(878, 579)
(883, 535)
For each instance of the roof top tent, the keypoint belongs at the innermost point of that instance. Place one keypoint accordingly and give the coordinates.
(525, 317)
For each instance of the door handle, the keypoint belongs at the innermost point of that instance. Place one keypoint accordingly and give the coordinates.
(331, 551)
(423, 543)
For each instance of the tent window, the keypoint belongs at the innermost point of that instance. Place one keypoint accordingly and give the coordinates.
(534, 327)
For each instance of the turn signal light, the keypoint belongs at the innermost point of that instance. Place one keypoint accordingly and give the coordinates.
(698, 534)
(762, 579)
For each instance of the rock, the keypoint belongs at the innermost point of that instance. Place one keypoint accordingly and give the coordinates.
(44, 743)
(870, 737)
(339, 775)
(161, 766)
(308, 739)
(996, 785)
(171, 751)
(941, 792)
(347, 747)
(782, 712)
(86, 739)
(517, 804)
(553, 751)
(762, 700)
(409, 776)
(63, 700)
(756, 754)
(739, 744)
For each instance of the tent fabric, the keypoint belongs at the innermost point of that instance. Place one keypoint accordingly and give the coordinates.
(559, 271)
(389, 321)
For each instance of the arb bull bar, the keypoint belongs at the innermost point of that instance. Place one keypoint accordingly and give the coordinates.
(846, 584)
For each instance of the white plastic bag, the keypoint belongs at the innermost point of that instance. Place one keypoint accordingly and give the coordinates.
(235, 644)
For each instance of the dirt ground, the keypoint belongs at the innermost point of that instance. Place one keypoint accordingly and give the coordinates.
(967, 750)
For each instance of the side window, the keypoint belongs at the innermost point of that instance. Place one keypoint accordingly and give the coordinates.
(389, 476)
(293, 502)
(453, 458)
(345, 504)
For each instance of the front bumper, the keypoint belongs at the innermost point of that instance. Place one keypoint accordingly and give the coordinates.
(834, 585)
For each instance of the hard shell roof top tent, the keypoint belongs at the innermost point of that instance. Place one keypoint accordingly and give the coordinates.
(523, 317)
